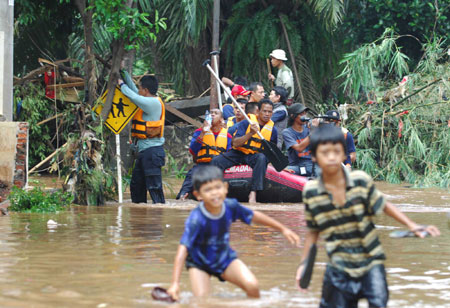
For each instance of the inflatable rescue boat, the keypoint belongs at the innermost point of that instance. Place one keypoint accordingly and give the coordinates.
(278, 186)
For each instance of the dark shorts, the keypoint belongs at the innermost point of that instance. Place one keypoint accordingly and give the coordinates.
(191, 264)
(339, 290)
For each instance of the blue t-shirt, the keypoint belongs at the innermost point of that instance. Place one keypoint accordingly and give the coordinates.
(195, 145)
(207, 236)
(227, 111)
(292, 137)
(350, 147)
(241, 130)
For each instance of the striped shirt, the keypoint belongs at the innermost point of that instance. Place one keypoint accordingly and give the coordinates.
(350, 237)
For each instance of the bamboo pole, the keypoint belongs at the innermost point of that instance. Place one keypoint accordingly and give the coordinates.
(49, 119)
(46, 159)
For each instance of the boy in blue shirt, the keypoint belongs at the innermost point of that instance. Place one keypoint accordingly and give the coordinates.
(204, 246)
(341, 207)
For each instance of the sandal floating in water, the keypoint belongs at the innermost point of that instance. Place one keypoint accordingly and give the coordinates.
(160, 294)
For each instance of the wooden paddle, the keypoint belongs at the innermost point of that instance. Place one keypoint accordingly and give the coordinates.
(269, 69)
(307, 272)
(270, 150)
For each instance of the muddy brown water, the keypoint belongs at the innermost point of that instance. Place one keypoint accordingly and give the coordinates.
(112, 256)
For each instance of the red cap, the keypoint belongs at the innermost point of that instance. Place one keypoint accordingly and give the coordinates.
(239, 90)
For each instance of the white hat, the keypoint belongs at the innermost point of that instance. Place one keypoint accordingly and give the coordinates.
(278, 54)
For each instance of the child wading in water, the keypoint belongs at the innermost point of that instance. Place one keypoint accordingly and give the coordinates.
(205, 241)
(341, 206)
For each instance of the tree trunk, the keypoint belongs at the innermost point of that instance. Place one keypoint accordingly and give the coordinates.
(90, 78)
(117, 52)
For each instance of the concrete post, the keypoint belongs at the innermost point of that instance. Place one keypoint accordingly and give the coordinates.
(6, 58)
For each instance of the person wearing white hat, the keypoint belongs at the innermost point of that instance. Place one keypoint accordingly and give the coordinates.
(284, 78)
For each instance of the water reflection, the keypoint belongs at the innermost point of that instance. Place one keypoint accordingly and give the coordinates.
(113, 256)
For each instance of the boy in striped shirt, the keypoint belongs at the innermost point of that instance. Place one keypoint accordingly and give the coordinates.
(341, 206)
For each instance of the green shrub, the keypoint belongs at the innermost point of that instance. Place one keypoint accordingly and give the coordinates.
(38, 201)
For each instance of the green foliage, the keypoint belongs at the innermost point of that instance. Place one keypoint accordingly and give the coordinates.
(86, 177)
(362, 66)
(331, 11)
(38, 201)
(35, 107)
(366, 20)
(127, 23)
(408, 141)
(172, 169)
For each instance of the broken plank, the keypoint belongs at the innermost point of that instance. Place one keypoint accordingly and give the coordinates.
(67, 85)
(182, 116)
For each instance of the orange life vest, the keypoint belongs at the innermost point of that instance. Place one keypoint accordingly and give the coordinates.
(230, 121)
(253, 145)
(148, 129)
(206, 153)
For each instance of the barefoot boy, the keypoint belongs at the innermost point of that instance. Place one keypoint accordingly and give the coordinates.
(205, 241)
(341, 206)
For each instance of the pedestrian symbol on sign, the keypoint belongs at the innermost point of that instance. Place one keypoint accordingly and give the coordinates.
(122, 111)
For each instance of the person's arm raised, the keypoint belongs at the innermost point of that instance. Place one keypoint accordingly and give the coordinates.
(394, 212)
(180, 258)
(263, 219)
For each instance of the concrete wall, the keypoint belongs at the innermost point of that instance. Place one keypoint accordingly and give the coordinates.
(13, 155)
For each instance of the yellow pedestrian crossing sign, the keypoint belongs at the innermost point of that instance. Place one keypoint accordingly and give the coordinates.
(122, 111)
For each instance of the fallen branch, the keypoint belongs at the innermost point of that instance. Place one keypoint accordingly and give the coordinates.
(417, 91)
(46, 159)
(49, 119)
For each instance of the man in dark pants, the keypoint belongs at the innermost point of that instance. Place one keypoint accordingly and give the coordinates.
(247, 144)
(148, 128)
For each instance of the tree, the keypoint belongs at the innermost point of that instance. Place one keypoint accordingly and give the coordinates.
(130, 28)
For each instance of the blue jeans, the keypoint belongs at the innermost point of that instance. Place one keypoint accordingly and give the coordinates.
(339, 290)
(304, 168)
(257, 161)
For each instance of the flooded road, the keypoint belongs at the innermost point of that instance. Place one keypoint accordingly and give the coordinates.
(113, 256)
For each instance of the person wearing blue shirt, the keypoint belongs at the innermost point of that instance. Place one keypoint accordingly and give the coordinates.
(206, 143)
(204, 246)
(296, 140)
(249, 108)
(247, 146)
(148, 128)
(333, 116)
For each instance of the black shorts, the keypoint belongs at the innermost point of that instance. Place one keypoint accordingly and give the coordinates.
(190, 263)
(339, 290)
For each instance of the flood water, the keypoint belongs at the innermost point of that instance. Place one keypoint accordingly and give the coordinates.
(112, 256)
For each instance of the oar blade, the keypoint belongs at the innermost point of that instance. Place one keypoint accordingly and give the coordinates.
(307, 272)
(278, 160)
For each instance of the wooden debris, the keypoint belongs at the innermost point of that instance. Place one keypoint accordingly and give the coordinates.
(46, 159)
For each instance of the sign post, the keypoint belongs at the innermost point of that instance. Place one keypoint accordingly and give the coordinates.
(119, 168)
(122, 111)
